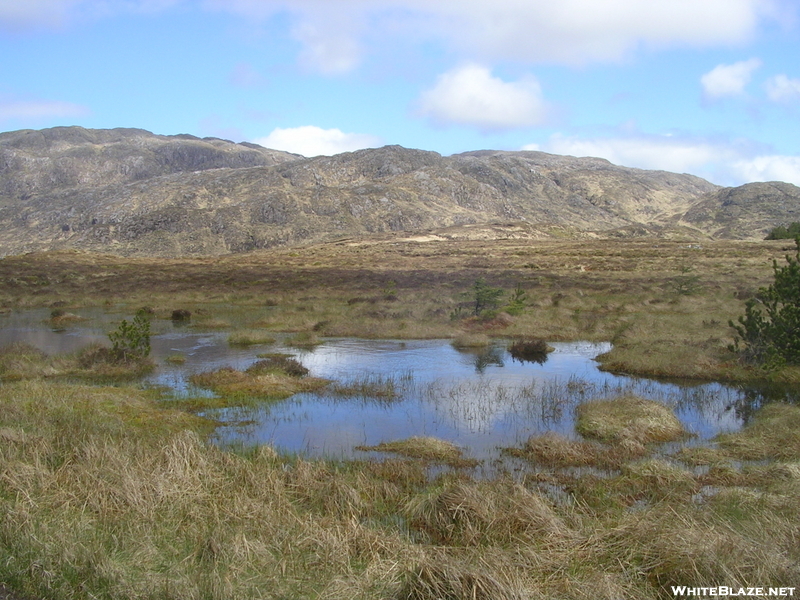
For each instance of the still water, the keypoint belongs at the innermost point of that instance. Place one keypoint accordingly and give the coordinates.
(481, 401)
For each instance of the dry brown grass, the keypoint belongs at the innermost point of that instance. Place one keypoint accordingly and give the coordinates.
(619, 290)
(424, 448)
(628, 419)
(774, 433)
(106, 493)
(250, 338)
(557, 451)
(272, 385)
(471, 340)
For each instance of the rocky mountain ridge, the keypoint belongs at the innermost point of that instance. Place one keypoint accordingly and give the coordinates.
(128, 191)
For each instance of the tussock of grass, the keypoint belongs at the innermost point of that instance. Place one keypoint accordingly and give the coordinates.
(471, 340)
(250, 338)
(442, 578)
(64, 319)
(469, 514)
(303, 340)
(22, 361)
(277, 363)
(375, 387)
(237, 385)
(628, 419)
(423, 448)
(701, 455)
(554, 450)
(532, 350)
(773, 433)
(176, 359)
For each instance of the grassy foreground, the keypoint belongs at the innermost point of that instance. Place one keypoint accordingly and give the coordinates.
(112, 493)
(109, 493)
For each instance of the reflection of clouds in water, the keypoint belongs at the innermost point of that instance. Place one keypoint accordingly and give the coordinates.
(478, 401)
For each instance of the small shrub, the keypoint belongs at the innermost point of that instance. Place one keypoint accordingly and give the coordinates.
(784, 233)
(769, 331)
(277, 363)
(517, 302)
(131, 341)
(686, 284)
(533, 350)
(486, 298)
(181, 315)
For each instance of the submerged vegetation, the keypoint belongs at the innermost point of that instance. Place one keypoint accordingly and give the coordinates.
(115, 492)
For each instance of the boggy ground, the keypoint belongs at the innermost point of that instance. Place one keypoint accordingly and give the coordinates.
(664, 304)
(113, 493)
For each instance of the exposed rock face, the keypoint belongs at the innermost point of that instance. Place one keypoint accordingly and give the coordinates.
(128, 191)
(750, 210)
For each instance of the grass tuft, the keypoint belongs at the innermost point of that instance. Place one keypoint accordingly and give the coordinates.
(628, 419)
(773, 433)
(250, 337)
(238, 385)
(423, 448)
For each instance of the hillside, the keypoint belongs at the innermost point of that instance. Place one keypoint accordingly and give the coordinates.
(130, 192)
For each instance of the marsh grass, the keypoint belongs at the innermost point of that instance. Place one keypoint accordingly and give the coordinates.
(628, 419)
(471, 340)
(22, 361)
(211, 323)
(268, 384)
(250, 337)
(107, 492)
(531, 350)
(92, 363)
(424, 448)
(774, 433)
(303, 340)
(372, 387)
(557, 451)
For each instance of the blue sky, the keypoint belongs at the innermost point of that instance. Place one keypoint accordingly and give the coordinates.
(708, 87)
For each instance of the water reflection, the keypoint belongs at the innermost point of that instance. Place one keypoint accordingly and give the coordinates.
(480, 401)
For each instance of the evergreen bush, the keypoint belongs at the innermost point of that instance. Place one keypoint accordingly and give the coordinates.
(131, 341)
(769, 331)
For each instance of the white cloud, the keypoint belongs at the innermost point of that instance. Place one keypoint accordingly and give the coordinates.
(470, 95)
(39, 109)
(728, 80)
(24, 15)
(315, 141)
(567, 31)
(667, 153)
(334, 32)
(32, 14)
(720, 161)
(327, 50)
(782, 89)
(769, 168)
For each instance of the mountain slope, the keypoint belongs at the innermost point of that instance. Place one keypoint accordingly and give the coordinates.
(131, 192)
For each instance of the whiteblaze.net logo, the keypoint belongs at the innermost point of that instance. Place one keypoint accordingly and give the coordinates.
(732, 592)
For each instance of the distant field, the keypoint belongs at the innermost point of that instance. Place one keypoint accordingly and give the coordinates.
(664, 304)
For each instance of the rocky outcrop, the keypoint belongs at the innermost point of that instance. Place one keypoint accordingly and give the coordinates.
(128, 191)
